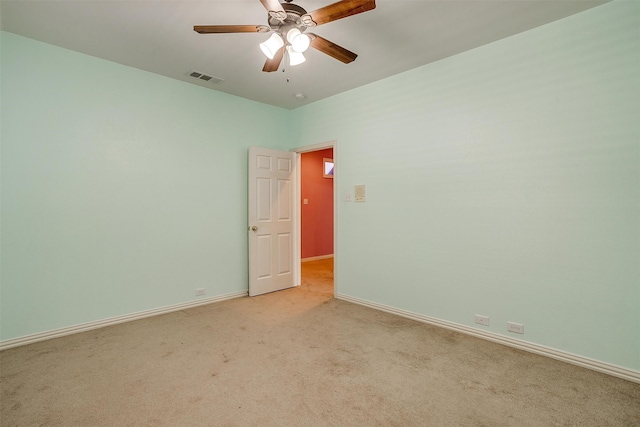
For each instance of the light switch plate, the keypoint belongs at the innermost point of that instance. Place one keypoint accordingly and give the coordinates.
(360, 193)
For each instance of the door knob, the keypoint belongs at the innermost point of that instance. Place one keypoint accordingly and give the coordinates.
(254, 228)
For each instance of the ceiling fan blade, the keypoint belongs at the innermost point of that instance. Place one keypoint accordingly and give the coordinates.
(338, 10)
(332, 49)
(275, 9)
(218, 29)
(273, 64)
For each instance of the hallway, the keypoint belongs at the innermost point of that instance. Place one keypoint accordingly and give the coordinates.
(317, 277)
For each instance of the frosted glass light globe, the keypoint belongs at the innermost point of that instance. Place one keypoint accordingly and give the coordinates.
(299, 42)
(272, 45)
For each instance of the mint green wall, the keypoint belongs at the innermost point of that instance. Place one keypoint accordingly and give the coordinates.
(503, 181)
(122, 191)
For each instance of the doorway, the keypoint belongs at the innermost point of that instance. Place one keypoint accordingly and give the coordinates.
(317, 248)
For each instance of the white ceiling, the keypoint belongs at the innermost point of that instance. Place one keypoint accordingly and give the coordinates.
(158, 36)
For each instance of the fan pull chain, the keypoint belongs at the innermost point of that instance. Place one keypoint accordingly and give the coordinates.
(284, 61)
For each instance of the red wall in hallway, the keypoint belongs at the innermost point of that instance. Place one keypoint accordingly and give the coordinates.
(317, 215)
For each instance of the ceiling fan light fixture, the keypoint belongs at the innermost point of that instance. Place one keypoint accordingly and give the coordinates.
(288, 22)
(295, 58)
(299, 42)
(272, 45)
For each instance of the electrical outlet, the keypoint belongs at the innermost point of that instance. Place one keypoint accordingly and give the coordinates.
(200, 292)
(482, 320)
(518, 328)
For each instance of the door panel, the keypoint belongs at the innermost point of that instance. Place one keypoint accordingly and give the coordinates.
(271, 220)
(284, 200)
(284, 249)
(264, 199)
(264, 256)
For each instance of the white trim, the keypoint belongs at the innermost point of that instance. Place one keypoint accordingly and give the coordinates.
(315, 147)
(316, 258)
(83, 327)
(574, 359)
(297, 241)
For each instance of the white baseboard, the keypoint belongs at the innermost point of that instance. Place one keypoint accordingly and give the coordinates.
(29, 339)
(315, 258)
(606, 368)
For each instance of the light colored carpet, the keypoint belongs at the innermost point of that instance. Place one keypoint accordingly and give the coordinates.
(298, 358)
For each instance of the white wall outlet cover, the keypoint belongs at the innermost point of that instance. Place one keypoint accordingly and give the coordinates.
(518, 328)
(482, 320)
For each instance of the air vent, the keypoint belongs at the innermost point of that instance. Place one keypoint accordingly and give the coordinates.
(204, 77)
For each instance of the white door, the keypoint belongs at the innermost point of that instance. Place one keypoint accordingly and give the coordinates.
(271, 220)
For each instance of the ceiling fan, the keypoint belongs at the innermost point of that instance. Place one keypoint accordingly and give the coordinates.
(288, 22)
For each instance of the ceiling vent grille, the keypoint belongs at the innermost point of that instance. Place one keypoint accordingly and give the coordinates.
(204, 77)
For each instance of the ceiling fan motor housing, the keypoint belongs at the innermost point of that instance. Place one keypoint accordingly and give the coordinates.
(293, 19)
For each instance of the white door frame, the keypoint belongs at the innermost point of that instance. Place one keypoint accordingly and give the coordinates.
(297, 254)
